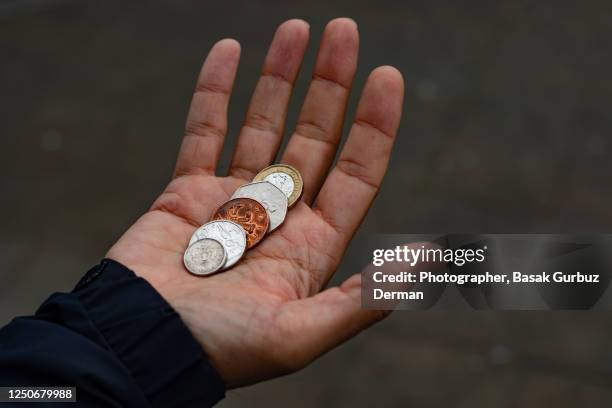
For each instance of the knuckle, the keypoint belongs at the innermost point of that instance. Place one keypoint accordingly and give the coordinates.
(261, 122)
(354, 169)
(204, 128)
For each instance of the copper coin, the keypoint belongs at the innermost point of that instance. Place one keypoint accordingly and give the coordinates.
(250, 214)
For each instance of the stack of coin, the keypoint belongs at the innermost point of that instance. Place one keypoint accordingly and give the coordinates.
(254, 210)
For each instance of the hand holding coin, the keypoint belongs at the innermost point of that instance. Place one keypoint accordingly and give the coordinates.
(269, 312)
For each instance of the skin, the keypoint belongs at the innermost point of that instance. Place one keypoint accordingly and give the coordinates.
(271, 314)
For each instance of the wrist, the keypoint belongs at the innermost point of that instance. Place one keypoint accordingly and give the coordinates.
(148, 336)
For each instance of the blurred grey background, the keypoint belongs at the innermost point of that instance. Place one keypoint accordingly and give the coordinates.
(506, 129)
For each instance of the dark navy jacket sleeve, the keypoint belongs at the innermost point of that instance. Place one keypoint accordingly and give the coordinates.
(116, 340)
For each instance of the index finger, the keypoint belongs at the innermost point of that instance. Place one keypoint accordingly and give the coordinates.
(352, 185)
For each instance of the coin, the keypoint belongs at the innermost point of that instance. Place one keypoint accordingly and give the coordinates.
(250, 214)
(204, 257)
(273, 199)
(286, 178)
(231, 235)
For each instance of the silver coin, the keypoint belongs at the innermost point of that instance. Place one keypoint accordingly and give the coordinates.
(229, 234)
(283, 181)
(270, 196)
(205, 256)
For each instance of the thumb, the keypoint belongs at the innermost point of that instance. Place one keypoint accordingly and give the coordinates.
(328, 319)
(322, 322)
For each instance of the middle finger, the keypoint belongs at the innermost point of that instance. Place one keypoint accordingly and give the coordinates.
(313, 145)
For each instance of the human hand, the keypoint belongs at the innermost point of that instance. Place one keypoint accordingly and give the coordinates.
(269, 314)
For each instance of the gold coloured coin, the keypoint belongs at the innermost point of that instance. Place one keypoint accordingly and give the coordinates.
(286, 178)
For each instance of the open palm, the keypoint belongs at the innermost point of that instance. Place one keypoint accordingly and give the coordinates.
(269, 314)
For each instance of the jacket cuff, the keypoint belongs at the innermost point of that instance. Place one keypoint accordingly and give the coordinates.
(149, 337)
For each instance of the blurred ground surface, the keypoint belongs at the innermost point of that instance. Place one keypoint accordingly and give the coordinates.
(507, 129)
